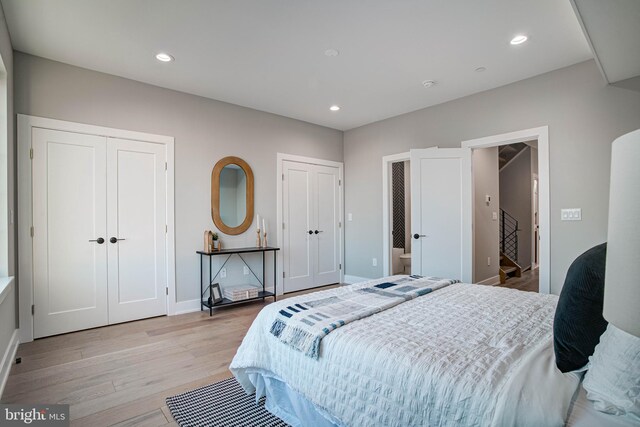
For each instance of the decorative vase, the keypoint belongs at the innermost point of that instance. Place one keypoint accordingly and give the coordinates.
(216, 245)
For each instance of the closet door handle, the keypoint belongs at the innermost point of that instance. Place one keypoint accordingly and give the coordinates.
(115, 240)
(318, 231)
(310, 231)
(99, 240)
(417, 236)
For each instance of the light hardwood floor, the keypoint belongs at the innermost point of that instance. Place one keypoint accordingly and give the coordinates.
(121, 374)
(528, 281)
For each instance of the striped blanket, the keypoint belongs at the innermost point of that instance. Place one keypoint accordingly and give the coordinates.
(303, 324)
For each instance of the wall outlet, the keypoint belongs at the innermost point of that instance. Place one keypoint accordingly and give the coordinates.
(246, 270)
(571, 214)
(349, 217)
(494, 216)
(374, 262)
(223, 273)
(488, 260)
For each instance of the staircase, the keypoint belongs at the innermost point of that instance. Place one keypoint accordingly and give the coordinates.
(508, 247)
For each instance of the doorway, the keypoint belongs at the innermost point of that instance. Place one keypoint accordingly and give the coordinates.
(309, 201)
(100, 249)
(535, 230)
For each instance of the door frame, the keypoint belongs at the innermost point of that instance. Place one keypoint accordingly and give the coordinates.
(541, 134)
(282, 157)
(25, 208)
(387, 249)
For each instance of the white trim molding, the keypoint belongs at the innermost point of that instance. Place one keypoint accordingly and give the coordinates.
(281, 157)
(25, 218)
(491, 281)
(7, 360)
(541, 134)
(386, 209)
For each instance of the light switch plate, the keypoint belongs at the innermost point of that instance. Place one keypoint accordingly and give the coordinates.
(223, 273)
(574, 214)
(246, 270)
(350, 217)
(494, 216)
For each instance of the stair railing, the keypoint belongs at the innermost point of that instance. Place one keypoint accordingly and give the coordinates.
(509, 235)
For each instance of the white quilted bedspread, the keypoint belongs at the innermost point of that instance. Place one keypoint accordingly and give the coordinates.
(446, 358)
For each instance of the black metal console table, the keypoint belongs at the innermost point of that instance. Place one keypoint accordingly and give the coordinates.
(204, 287)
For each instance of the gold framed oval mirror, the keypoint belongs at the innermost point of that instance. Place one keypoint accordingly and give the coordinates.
(232, 195)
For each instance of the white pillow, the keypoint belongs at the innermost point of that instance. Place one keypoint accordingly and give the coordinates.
(613, 379)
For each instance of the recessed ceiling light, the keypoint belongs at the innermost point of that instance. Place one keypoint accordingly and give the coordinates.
(429, 83)
(331, 52)
(481, 69)
(334, 108)
(519, 39)
(164, 57)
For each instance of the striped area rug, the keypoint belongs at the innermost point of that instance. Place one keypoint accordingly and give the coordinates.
(221, 404)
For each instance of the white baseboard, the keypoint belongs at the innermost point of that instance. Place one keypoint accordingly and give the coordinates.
(7, 360)
(492, 281)
(350, 280)
(189, 306)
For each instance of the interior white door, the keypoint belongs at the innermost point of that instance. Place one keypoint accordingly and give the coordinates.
(298, 206)
(326, 235)
(441, 212)
(69, 215)
(311, 216)
(136, 222)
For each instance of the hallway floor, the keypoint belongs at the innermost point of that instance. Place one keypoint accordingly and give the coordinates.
(528, 282)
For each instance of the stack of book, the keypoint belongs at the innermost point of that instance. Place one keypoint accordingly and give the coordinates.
(240, 292)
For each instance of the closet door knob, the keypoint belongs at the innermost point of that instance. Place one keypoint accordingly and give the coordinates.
(417, 236)
(115, 240)
(318, 231)
(310, 231)
(99, 240)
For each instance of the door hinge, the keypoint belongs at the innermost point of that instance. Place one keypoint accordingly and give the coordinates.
(339, 224)
(283, 225)
(340, 267)
(166, 167)
(33, 309)
(339, 182)
(283, 275)
(32, 231)
(166, 290)
(31, 153)
(166, 228)
(283, 177)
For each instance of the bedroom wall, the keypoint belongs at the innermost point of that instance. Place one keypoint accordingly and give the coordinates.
(8, 299)
(486, 232)
(584, 117)
(515, 199)
(205, 131)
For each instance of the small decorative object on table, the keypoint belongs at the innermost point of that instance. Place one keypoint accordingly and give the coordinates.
(207, 241)
(216, 242)
(258, 239)
(264, 230)
(215, 295)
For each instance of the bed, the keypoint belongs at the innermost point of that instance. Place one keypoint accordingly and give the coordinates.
(464, 355)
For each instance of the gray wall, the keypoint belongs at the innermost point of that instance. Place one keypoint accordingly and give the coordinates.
(205, 131)
(485, 228)
(515, 199)
(583, 114)
(8, 308)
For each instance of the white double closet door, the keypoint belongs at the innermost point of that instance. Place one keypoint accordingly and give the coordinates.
(99, 242)
(311, 217)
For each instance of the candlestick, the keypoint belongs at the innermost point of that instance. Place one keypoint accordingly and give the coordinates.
(258, 240)
(264, 226)
(258, 222)
(264, 243)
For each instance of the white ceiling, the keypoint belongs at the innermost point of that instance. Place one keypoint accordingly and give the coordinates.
(269, 54)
